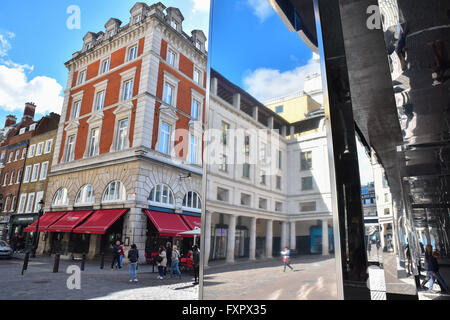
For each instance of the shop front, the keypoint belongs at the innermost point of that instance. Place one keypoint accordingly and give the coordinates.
(75, 233)
(165, 227)
(18, 224)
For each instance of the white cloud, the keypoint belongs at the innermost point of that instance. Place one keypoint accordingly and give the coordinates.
(261, 9)
(265, 84)
(16, 90)
(201, 5)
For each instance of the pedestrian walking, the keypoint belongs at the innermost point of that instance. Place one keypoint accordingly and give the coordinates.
(169, 258)
(286, 254)
(409, 261)
(161, 260)
(116, 256)
(175, 262)
(133, 258)
(196, 264)
(14, 242)
(433, 267)
(122, 254)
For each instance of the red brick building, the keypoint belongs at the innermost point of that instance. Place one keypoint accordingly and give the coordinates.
(131, 129)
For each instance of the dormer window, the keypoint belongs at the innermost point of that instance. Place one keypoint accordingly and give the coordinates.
(33, 127)
(174, 25)
(22, 131)
(111, 34)
(137, 19)
(198, 45)
(88, 46)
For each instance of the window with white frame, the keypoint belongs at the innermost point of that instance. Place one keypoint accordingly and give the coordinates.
(127, 89)
(11, 179)
(192, 202)
(70, 149)
(171, 57)
(99, 100)
(13, 204)
(16, 157)
(94, 142)
(22, 131)
(223, 195)
(44, 170)
(19, 176)
(169, 91)
(225, 130)
(193, 149)
(48, 146)
(5, 206)
(81, 77)
(11, 155)
(85, 196)
(22, 203)
(114, 192)
(40, 149)
(122, 135)
(195, 111)
(32, 150)
(105, 65)
(223, 163)
(173, 24)
(76, 109)
(39, 198)
(246, 200)
(35, 175)
(60, 198)
(132, 53)
(30, 203)
(164, 140)
(137, 19)
(262, 203)
(5, 178)
(278, 206)
(197, 76)
(24, 153)
(162, 195)
(27, 175)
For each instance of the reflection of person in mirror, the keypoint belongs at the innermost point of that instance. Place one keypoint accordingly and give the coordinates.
(286, 254)
(433, 273)
(409, 262)
(441, 69)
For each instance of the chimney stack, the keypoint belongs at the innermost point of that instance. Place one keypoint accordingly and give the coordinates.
(10, 121)
(30, 109)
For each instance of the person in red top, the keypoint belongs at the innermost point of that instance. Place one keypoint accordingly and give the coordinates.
(122, 254)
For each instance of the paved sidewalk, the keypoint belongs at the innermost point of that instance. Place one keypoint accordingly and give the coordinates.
(313, 278)
(40, 283)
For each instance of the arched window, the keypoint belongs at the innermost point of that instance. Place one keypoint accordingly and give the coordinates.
(162, 195)
(192, 201)
(114, 192)
(61, 198)
(85, 196)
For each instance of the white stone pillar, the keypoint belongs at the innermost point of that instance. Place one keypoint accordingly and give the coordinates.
(292, 132)
(293, 242)
(231, 241)
(284, 131)
(253, 239)
(284, 235)
(214, 86)
(325, 238)
(237, 101)
(207, 240)
(270, 122)
(269, 238)
(255, 113)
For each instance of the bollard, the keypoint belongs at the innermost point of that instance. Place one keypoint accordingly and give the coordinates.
(83, 262)
(25, 262)
(102, 261)
(56, 265)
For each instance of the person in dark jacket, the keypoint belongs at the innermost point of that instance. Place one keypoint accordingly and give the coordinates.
(133, 258)
(433, 273)
(116, 256)
(169, 258)
(196, 264)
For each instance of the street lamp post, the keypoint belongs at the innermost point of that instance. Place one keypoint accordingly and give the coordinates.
(36, 235)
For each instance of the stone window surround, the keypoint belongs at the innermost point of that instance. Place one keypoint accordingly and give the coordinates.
(125, 76)
(80, 72)
(80, 204)
(99, 87)
(93, 126)
(123, 112)
(75, 98)
(71, 130)
(173, 81)
(100, 71)
(176, 63)
(188, 208)
(200, 76)
(169, 116)
(161, 204)
(197, 158)
(127, 57)
(66, 196)
(122, 189)
(197, 96)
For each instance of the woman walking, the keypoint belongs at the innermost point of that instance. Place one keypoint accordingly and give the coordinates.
(287, 258)
(162, 262)
(175, 262)
(133, 257)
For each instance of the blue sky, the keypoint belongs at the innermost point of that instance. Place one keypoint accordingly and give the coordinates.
(35, 42)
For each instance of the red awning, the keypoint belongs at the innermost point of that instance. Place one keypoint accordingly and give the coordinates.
(70, 221)
(168, 224)
(100, 221)
(45, 221)
(193, 222)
